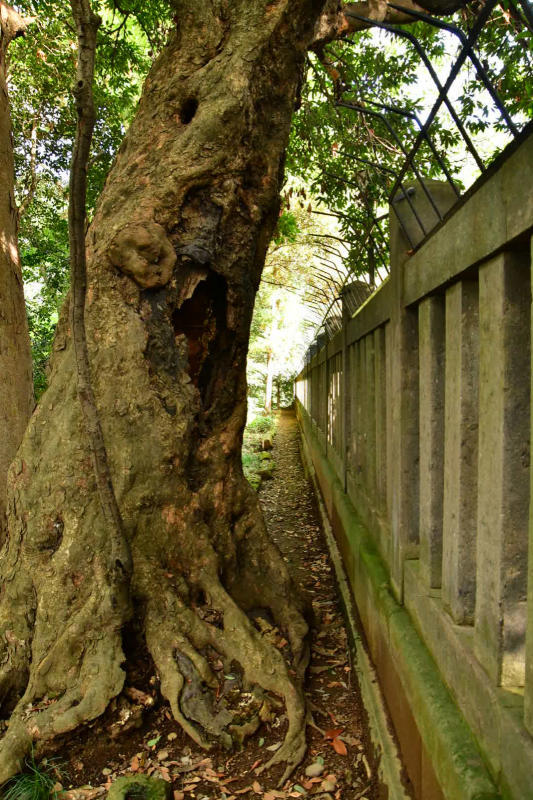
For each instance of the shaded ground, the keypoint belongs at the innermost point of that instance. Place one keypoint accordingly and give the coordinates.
(334, 697)
(137, 734)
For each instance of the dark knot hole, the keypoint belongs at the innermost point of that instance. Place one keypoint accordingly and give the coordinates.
(188, 110)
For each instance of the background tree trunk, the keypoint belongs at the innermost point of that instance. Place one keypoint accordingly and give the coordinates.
(269, 381)
(16, 385)
(175, 254)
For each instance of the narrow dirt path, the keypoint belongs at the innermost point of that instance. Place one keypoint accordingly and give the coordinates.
(342, 743)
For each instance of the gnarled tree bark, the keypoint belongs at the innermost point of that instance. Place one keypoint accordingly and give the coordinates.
(174, 257)
(16, 386)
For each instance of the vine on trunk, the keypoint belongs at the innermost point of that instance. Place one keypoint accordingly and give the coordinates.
(87, 24)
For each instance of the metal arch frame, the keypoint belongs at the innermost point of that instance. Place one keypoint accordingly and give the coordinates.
(370, 212)
(461, 58)
(467, 45)
(337, 214)
(405, 192)
(429, 66)
(411, 115)
(408, 160)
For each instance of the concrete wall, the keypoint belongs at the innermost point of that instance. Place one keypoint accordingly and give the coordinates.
(416, 418)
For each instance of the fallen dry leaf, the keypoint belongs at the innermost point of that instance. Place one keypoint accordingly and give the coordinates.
(256, 786)
(339, 747)
(333, 733)
(178, 795)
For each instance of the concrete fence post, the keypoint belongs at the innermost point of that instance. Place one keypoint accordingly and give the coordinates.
(370, 418)
(431, 354)
(503, 474)
(460, 451)
(404, 451)
(359, 450)
(381, 418)
(528, 694)
(345, 397)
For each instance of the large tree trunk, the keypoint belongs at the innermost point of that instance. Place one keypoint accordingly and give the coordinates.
(175, 254)
(16, 386)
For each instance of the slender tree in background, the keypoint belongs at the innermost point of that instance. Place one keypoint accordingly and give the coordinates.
(16, 387)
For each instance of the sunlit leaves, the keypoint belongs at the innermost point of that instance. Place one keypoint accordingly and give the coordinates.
(41, 73)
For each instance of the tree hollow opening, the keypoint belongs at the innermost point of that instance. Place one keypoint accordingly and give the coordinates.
(188, 110)
(202, 319)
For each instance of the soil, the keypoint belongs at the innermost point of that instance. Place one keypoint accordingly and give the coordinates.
(138, 733)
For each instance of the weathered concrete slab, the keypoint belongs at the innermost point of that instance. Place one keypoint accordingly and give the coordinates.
(431, 378)
(498, 213)
(503, 480)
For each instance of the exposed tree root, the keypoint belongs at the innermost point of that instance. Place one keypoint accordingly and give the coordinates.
(76, 668)
(176, 636)
(71, 682)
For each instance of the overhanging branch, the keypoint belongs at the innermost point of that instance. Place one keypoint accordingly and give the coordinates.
(339, 19)
(12, 25)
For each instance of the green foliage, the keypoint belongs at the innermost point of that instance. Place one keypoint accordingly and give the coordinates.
(258, 428)
(261, 424)
(42, 67)
(287, 228)
(37, 782)
(44, 253)
(350, 158)
(338, 158)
